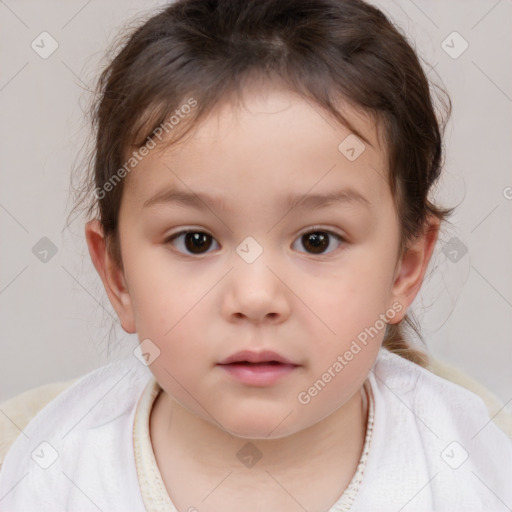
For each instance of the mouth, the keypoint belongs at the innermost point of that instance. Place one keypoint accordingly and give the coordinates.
(263, 366)
(257, 364)
(257, 368)
(250, 357)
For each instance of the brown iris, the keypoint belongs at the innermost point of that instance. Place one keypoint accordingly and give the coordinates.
(317, 240)
(197, 242)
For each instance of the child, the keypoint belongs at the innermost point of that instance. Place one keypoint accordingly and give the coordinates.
(261, 177)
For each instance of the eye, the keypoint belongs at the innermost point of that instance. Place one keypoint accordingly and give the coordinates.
(195, 242)
(317, 241)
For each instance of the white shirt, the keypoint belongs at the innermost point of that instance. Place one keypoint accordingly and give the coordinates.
(432, 447)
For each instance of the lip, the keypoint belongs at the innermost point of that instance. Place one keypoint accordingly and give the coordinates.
(257, 368)
(265, 356)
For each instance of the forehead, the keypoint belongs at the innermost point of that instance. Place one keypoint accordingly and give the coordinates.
(272, 142)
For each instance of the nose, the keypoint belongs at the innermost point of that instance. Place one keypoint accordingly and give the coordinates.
(256, 293)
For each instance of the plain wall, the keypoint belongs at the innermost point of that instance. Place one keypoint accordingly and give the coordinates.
(55, 318)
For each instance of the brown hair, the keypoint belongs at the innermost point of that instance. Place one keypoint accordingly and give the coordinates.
(320, 49)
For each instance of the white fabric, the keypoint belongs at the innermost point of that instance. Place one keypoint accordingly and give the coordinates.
(90, 427)
(423, 427)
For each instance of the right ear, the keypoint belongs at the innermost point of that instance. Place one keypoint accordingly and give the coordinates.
(111, 275)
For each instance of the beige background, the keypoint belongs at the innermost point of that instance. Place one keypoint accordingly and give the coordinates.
(55, 317)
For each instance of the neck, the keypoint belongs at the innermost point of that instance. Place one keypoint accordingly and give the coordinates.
(331, 448)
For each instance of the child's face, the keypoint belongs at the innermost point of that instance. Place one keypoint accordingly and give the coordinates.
(317, 301)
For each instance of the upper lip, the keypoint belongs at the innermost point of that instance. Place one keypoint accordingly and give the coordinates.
(249, 356)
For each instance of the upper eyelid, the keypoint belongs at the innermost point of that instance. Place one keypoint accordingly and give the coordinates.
(302, 232)
(320, 228)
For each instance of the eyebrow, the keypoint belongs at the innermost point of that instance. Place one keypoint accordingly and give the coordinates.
(203, 201)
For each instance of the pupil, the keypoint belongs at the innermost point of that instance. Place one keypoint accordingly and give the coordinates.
(196, 242)
(319, 241)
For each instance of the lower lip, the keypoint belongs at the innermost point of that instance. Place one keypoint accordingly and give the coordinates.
(258, 375)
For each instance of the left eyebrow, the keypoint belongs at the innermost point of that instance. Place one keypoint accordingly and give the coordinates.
(202, 201)
(317, 201)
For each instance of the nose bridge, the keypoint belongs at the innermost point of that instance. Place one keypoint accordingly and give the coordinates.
(250, 269)
(254, 290)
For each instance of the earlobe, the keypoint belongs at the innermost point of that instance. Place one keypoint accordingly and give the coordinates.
(412, 268)
(111, 275)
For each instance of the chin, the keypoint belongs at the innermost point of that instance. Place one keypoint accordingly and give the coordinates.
(260, 427)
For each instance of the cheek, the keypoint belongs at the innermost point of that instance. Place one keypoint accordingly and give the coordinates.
(162, 295)
(350, 311)
(350, 299)
(170, 309)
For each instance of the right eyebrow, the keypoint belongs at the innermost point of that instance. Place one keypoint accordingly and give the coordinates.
(192, 199)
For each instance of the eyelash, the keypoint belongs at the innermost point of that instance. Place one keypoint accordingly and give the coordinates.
(313, 229)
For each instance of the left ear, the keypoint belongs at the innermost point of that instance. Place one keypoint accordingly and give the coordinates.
(412, 267)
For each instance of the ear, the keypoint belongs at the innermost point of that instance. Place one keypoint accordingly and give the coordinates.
(412, 267)
(111, 275)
